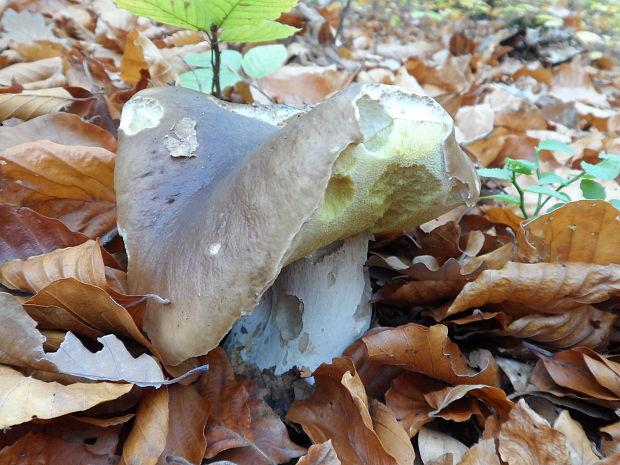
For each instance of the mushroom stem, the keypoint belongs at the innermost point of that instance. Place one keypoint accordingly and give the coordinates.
(315, 309)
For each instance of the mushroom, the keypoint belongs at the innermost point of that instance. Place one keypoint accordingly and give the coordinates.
(216, 200)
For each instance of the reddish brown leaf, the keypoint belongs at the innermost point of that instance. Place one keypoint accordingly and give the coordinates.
(485, 400)
(428, 351)
(391, 433)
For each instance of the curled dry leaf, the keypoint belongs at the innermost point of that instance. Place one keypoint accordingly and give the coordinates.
(141, 53)
(434, 445)
(582, 326)
(338, 411)
(527, 438)
(539, 287)
(391, 433)
(40, 74)
(428, 351)
(585, 231)
(72, 183)
(147, 438)
(45, 448)
(579, 446)
(320, 454)
(485, 399)
(32, 103)
(610, 443)
(24, 233)
(481, 453)
(59, 128)
(23, 398)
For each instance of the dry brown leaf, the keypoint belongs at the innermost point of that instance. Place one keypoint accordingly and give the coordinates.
(610, 443)
(147, 438)
(541, 287)
(579, 446)
(83, 309)
(584, 231)
(40, 74)
(60, 128)
(485, 399)
(83, 263)
(240, 422)
(481, 453)
(338, 410)
(24, 233)
(72, 183)
(32, 103)
(23, 398)
(418, 292)
(320, 454)
(428, 351)
(188, 414)
(584, 326)
(406, 399)
(141, 53)
(527, 438)
(46, 449)
(391, 433)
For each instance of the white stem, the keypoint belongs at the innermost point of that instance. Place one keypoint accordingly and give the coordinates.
(314, 310)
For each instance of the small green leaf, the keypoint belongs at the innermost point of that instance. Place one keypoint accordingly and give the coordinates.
(504, 198)
(556, 145)
(264, 59)
(611, 157)
(519, 166)
(615, 203)
(190, 14)
(230, 58)
(499, 173)
(201, 79)
(555, 206)
(551, 178)
(258, 32)
(592, 189)
(550, 192)
(202, 60)
(603, 170)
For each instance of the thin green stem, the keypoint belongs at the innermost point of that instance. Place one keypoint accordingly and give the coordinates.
(521, 195)
(570, 181)
(538, 202)
(215, 61)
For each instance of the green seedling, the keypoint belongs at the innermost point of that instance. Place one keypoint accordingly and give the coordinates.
(256, 63)
(219, 20)
(549, 186)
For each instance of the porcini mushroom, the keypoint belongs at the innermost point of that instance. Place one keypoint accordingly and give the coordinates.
(215, 199)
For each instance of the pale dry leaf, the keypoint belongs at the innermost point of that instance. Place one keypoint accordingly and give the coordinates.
(320, 454)
(542, 287)
(481, 453)
(32, 103)
(112, 363)
(527, 438)
(474, 122)
(23, 398)
(147, 438)
(434, 444)
(34, 74)
(579, 446)
(26, 27)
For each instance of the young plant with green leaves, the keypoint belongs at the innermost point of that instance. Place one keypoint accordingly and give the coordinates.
(256, 63)
(549, 185)
(219, 20)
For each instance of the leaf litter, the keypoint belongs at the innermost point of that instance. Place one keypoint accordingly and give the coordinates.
(495, 338)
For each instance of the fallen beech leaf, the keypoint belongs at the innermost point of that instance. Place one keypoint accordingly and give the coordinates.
(527, 438)
(418, 292)
(59, 128)
(434, 444)
(83, 262)
(72, 183)
(390, 432)
(83, 309)
(147, 438)
(112, 363)
(320, 454)
(141, 53)
(241, 424)
(24, 233)
(584, 231)
(610, 443)
(582, 326)
(46, 449)
(40, 74)
(474, 122)
(406, 399)
(579, 446)
(541, 287)
(481, 453)
(26, 27)
(188, 414)
(32, 103)
(428, 351)
(487, 400)
(338, 410)
(20, 343)
(505, 216)
(23, 398)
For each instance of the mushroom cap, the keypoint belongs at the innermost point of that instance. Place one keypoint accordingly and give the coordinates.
(212, 203)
